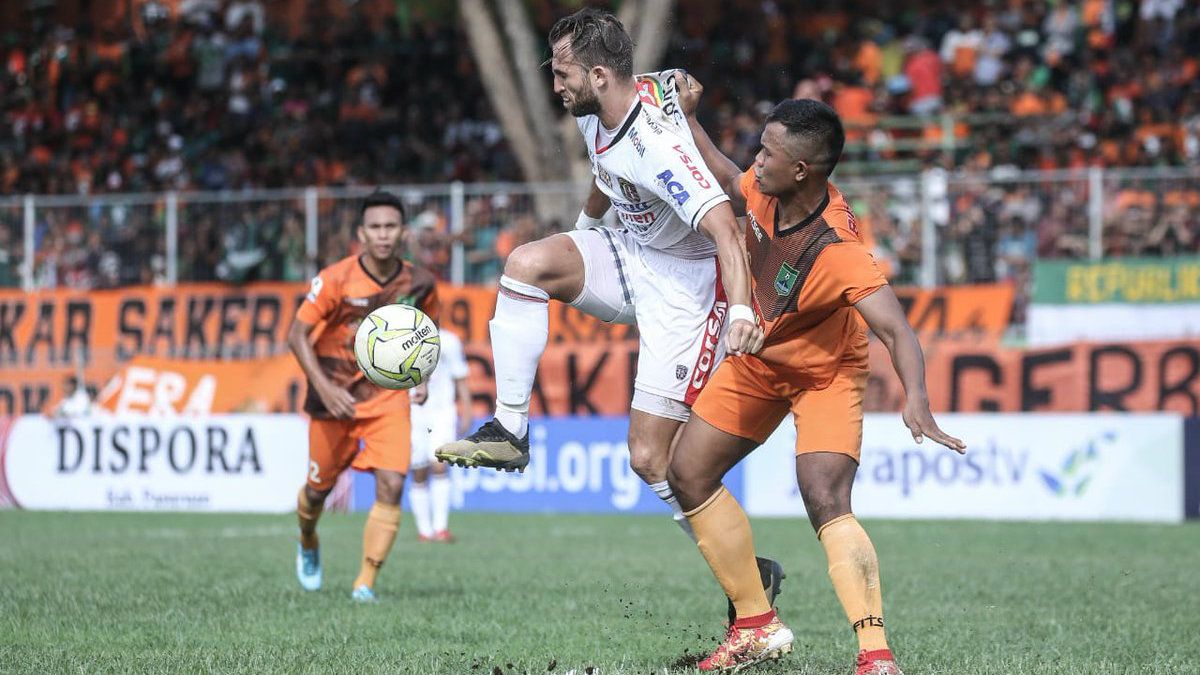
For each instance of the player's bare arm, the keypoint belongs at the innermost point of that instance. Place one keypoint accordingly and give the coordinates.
(338, 401)
(727, 173)
(597, 204)
(883, 314)
(745, 335)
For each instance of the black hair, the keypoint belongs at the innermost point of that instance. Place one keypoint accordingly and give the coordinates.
(597, 38)
(382, 198)
(816, 124)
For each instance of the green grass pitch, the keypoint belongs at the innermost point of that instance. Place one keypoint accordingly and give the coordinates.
(164, 593)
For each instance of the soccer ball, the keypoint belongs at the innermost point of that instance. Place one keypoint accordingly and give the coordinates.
(397, 346)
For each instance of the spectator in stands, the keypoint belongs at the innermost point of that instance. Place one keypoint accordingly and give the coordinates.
(237, 94)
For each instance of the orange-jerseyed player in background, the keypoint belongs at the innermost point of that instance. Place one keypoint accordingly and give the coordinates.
(346, 410)
(813, 280)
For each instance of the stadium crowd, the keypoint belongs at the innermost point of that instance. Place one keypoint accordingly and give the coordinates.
(225, 95)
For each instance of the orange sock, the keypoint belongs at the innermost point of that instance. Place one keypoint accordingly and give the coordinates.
(308, 515)
(723, 535)
(854, 570)
(382, 523)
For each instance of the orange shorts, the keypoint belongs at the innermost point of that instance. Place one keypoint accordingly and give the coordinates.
(747, 398)
(333, 445)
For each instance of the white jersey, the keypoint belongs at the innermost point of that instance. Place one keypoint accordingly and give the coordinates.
(452, 366)
(652, 173)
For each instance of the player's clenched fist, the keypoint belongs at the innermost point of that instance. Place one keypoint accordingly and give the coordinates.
(690, 90)
(745, 337)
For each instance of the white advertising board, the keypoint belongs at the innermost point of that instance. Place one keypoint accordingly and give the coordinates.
(204, 463)
(1017, 467)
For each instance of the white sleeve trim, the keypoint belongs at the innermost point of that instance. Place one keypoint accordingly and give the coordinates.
(706, 207)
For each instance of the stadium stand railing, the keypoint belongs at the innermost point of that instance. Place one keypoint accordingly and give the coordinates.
(929, 228)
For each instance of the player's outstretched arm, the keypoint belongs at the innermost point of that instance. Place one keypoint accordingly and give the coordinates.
(883, 314)
(724, 170)
(338, 401)
(745, 335)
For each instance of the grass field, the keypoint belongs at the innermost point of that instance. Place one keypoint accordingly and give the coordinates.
(150, 593)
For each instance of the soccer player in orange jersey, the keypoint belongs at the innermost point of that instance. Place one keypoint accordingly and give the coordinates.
(814, 284)
(353, 422)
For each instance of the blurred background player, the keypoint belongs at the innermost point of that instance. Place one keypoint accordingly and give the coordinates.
(813, 279)
(353, 422)
(444, 416)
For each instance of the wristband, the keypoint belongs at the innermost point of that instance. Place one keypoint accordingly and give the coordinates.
(584, 221)
(741, 312)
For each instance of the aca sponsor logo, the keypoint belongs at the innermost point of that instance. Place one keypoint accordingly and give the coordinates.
(673, 187)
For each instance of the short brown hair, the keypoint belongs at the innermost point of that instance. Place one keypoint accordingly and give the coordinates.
(597, 38)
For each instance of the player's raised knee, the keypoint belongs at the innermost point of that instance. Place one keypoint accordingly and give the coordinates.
(530, 263)
(552, 264)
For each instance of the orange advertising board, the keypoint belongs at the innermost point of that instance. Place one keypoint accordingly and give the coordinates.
(237, 333)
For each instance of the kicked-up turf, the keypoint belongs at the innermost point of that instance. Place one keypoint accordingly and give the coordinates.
(183, 593)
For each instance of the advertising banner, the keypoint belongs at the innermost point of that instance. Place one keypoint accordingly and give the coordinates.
(1118, 376)
(1191, 463)
(576, 465)
(153, 386)
(1138, 281)
(1017, 467)
(1122, 299)
(134, 463)
(48, 336)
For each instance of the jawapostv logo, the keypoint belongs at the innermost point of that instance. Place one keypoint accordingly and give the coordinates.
(1074, 475)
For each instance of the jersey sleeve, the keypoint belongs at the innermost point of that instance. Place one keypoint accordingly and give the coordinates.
(846, 273)
(747, 186)
(673, 170)
(322, 298)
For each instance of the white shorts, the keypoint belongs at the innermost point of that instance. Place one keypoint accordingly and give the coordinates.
(677, 304)
(431, 429)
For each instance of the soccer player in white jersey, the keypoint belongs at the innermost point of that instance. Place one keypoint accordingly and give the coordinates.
(678, 268)
(444, 416)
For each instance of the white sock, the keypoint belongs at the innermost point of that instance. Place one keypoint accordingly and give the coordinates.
(663, 490)
(439, 492)
(519, 332)
(418, 498)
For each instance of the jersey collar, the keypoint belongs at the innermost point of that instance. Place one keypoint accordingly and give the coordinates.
(377, 280)
(811, 217)
(629, 120)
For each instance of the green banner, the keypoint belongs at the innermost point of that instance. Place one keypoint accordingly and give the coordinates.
(1123, 280)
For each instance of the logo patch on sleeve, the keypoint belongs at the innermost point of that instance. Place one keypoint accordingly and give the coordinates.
(785, 279)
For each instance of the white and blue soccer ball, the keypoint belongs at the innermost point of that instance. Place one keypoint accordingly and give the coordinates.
(397, 346)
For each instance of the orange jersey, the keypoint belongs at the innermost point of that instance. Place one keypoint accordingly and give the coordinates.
(340, 297)
(807, 279)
